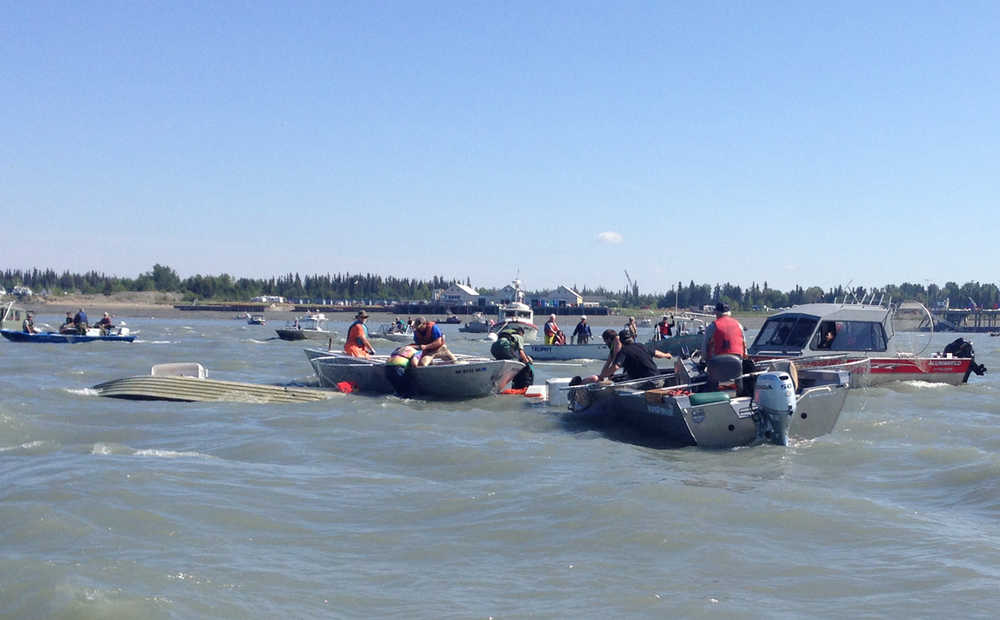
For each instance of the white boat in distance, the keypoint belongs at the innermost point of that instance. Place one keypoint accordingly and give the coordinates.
(309, 327)
(469, 377)
(479, 324)
(516, 314)
(392, 333)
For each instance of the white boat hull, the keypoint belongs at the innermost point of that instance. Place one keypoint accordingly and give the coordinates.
(597, 351)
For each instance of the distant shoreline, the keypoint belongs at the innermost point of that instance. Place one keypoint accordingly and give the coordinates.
(137, 306)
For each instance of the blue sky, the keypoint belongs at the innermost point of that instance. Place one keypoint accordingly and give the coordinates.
(567, 142)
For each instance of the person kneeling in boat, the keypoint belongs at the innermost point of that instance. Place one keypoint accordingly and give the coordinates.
(509, 345)
(357, 344)
(429, 340)
(105, 324)
(397, 369)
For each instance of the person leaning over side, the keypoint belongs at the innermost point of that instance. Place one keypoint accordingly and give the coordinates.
(430, 341)
(581, 333)
(397, 369)
(357, 344)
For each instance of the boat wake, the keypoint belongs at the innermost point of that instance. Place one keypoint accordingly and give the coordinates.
(106, 449)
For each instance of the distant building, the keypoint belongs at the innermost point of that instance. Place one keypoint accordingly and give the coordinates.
(21, 291)
(269, 299)
(460, 294)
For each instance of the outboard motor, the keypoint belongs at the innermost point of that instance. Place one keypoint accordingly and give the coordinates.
(774, 395)
(960, 347)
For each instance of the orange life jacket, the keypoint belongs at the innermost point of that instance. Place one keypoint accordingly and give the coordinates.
(422, 335)
(728, 337)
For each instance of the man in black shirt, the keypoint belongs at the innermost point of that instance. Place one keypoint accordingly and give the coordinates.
(635, 359)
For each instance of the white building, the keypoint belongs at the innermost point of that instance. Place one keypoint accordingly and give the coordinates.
(460, 294)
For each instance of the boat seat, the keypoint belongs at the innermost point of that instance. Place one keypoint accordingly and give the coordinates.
(705, 398)
(179, 369)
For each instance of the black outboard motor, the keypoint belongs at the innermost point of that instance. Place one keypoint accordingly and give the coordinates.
(960, 347)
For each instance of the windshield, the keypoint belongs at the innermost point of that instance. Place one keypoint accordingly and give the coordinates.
(850, 336)
(786, 331)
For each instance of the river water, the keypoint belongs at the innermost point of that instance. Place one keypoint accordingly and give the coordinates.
(380, 507)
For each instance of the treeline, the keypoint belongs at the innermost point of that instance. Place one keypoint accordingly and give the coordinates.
(375, 287)
(225, 287)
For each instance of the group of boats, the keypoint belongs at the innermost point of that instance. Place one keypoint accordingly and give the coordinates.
(14, 317)
(793, 385)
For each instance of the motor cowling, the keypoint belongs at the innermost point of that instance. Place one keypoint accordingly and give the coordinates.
(774, 395)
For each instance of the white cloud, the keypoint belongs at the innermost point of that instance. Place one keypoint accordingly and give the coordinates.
(609, 237)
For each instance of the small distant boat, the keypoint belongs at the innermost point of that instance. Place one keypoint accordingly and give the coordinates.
(994, 333)
(451, 320)
(256, 319)
(469, 377)
(189, 382)
(479, 324)
(117, 334)
(392, 332)
(309, 327)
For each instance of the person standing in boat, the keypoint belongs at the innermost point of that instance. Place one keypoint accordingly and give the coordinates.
(552, 330)
(664, 329)
(723, 347)
(509, 345)
(428, 339)
(357, 344)
(80, 321)
(632, 328)
(582, 333)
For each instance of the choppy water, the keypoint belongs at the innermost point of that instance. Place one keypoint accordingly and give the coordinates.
(380, 507)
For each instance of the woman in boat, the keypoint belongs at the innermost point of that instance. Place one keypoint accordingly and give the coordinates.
(357, 344)
(397, 369)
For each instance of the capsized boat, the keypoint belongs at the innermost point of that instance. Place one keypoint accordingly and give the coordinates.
(861, 338)
(93, 334)
(516, 314)
(310, 327)
(784, 403)
(469, 377)
(189, 382)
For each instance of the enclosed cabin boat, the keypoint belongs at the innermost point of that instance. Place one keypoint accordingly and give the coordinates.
(859, 337)
(516, 314)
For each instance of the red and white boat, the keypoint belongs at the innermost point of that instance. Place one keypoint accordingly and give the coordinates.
(860, 337)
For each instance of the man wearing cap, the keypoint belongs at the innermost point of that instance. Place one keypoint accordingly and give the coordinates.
(429, 340)
(357, 344)
(28, 324)
(723, 347)
(582, 331)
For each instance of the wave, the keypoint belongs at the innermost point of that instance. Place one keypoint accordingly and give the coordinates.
(110, 449)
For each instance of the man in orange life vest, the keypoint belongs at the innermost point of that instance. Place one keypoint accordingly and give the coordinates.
(357, 344)
(430, 341)
(723, 347)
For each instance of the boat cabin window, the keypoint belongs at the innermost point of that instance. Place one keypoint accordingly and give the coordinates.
(786, 331)
(850, 336)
